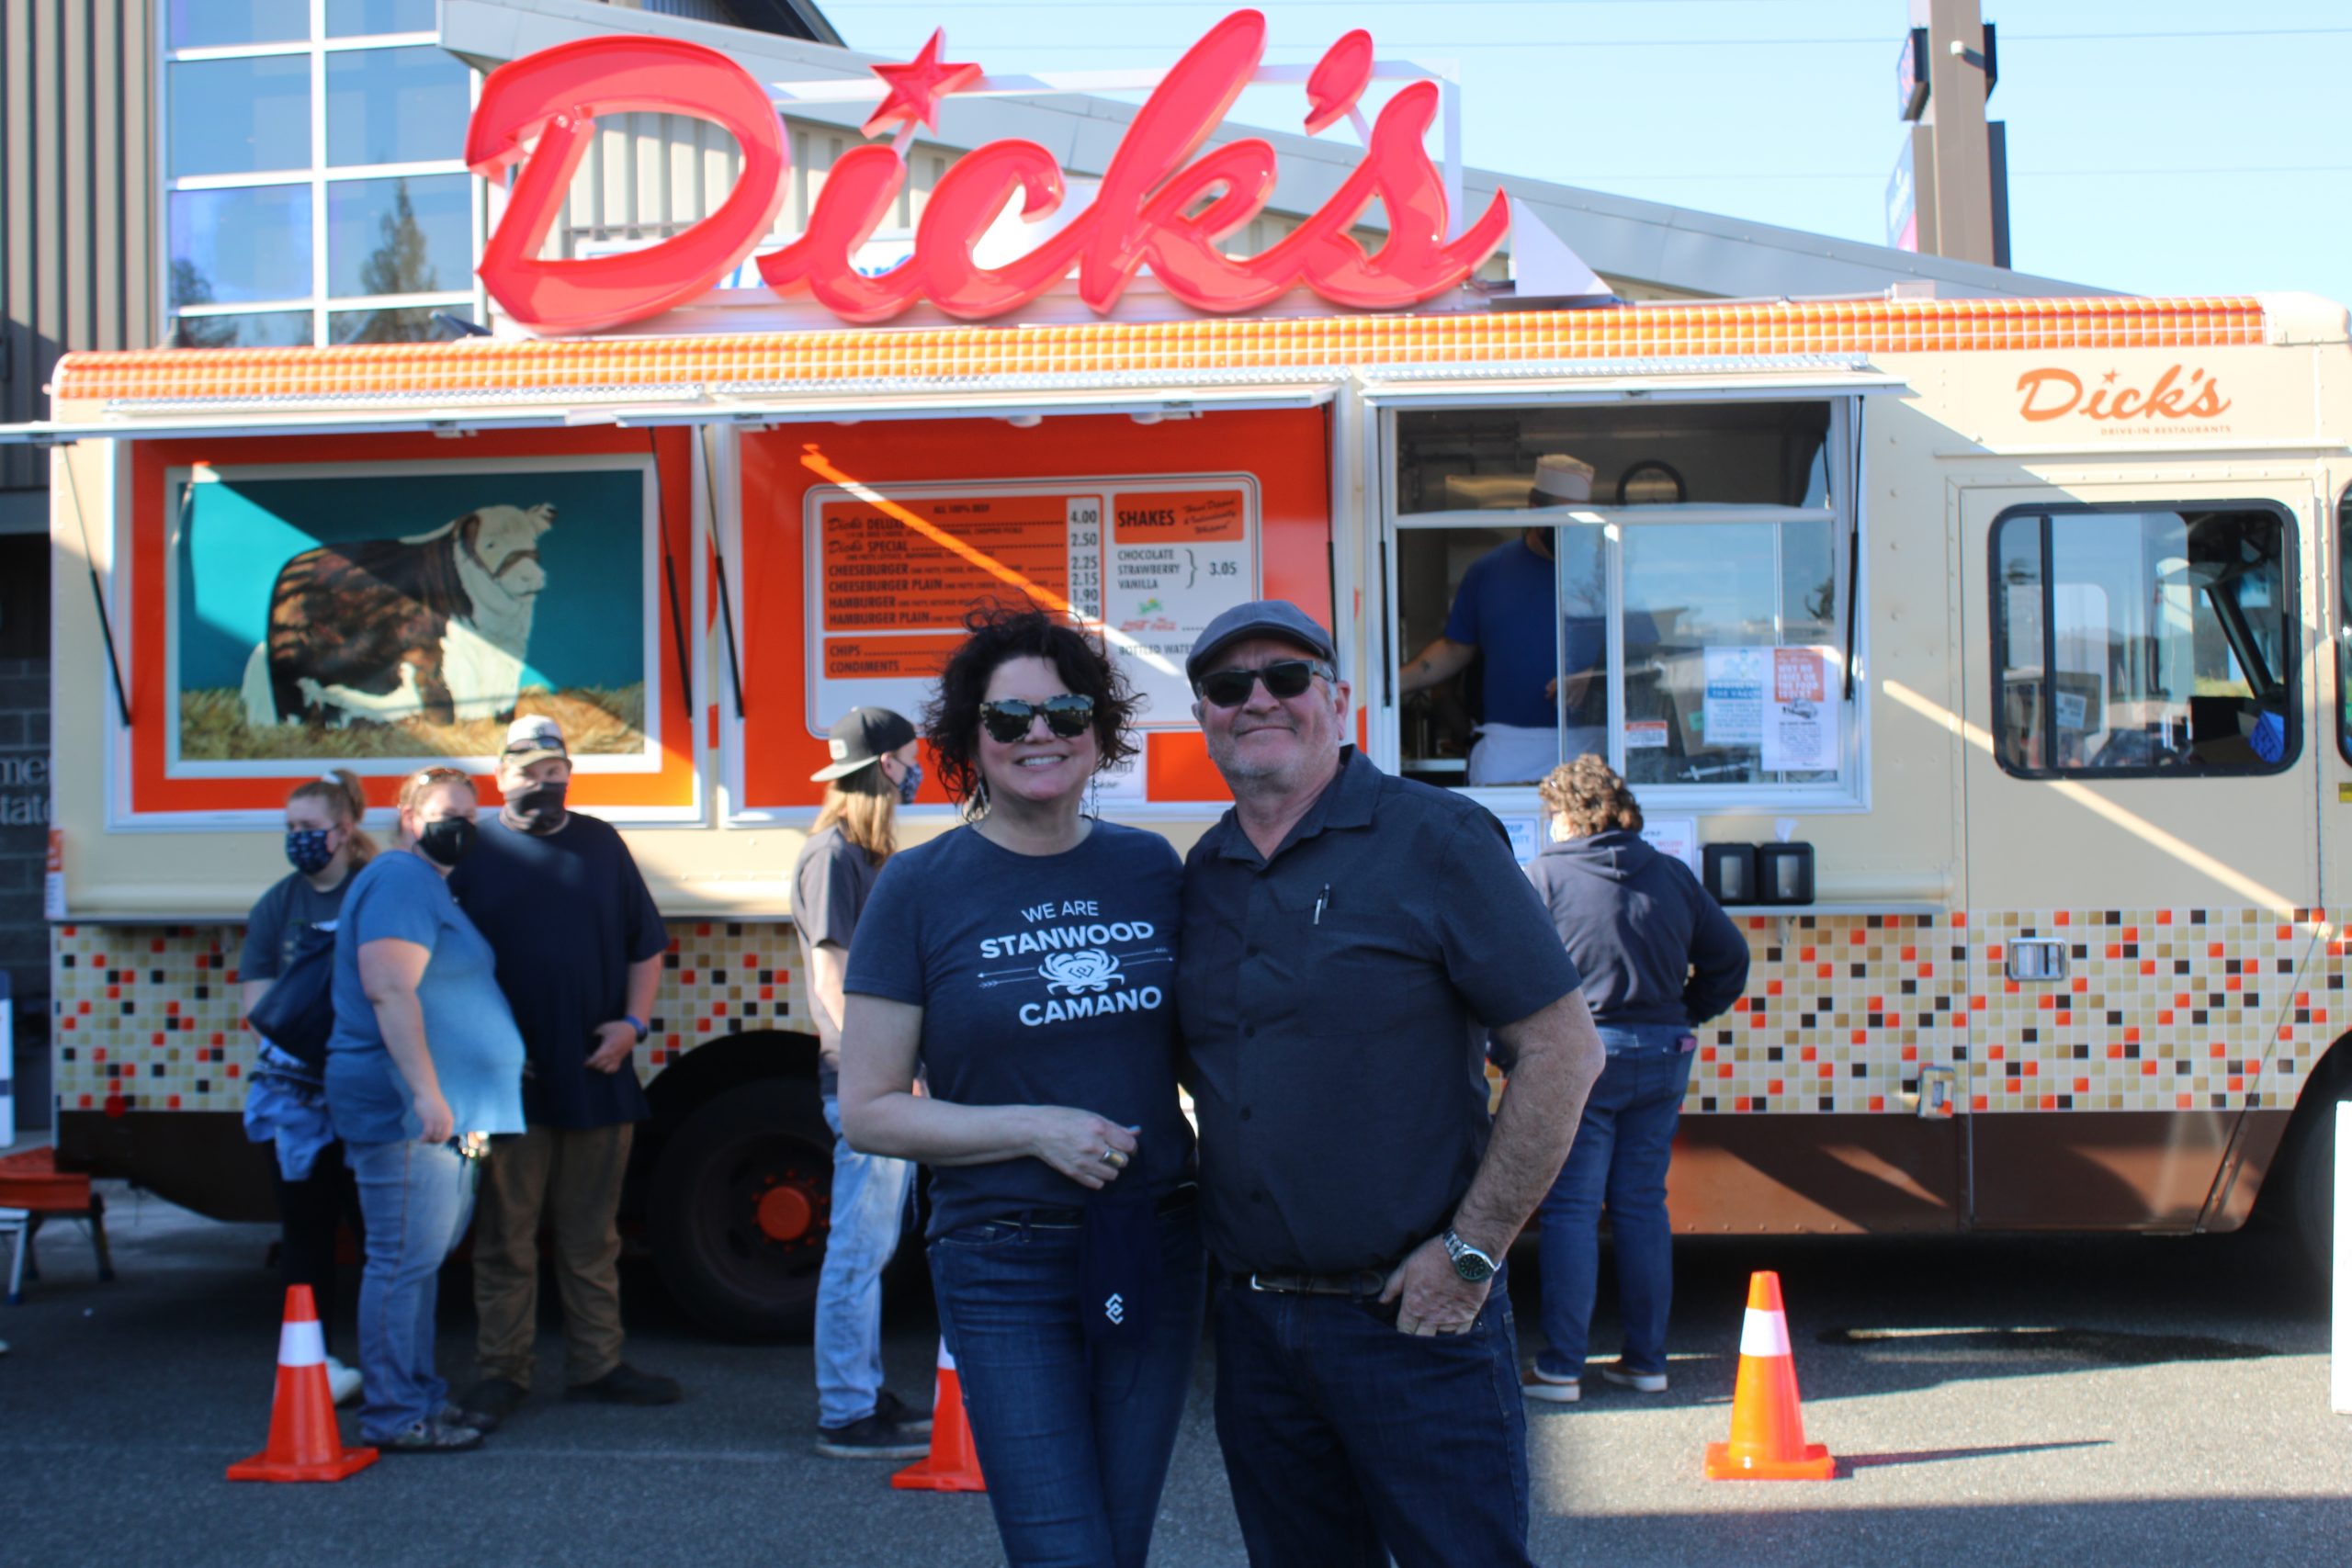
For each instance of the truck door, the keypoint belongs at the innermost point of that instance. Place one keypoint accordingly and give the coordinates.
(2141, 769)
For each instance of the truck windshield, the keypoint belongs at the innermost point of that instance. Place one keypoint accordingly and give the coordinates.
(2131, 641)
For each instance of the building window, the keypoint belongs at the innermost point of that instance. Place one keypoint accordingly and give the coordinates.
(316, 190)
(1664, 585)
(2144, 643)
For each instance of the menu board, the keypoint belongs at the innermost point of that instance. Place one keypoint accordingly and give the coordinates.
(1145, 563)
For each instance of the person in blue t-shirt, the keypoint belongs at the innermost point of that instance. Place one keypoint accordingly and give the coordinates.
(1024, 964)
(424, 1067)
(1507, 607)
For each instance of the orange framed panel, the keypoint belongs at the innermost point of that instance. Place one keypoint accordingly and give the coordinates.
(1283, 456)
(153, 788)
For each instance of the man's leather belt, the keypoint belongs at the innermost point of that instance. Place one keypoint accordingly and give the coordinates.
(1362, 1283)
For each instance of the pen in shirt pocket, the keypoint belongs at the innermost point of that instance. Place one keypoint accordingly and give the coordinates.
(1322, 902)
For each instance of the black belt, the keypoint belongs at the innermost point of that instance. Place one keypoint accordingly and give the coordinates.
(1174, 1200)
(1364, 1283)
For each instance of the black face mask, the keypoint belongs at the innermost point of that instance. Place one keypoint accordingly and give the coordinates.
(537, 808)
(447, 842)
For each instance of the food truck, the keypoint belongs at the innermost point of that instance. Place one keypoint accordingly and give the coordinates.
(2012, 629)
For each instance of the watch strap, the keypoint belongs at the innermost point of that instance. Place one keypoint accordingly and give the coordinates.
(636, 1023)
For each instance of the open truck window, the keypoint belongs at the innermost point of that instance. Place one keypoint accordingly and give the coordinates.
(2140, 642)
(1663, 583)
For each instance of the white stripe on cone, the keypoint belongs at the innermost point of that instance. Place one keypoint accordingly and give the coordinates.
(1764, 1334)
(302, 1344)
(946, 1362)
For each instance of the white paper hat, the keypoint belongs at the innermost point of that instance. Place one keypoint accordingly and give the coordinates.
(1562, 478)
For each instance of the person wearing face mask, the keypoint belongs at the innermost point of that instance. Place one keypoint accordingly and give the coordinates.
(874, 770)
(424, 1067)
(286, 1100)
(580, 947)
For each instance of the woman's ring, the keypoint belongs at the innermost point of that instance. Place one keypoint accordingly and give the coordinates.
(1114, 1158)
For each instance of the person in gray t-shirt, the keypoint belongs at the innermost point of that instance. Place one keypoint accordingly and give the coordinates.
(873, 769)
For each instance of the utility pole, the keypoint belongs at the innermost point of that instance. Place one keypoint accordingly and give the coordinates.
(1961, 214)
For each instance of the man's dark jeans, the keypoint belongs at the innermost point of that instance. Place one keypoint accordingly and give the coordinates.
(1347, 1441)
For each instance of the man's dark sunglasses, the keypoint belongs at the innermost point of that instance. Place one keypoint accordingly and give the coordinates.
(1284, 678)
(1067, 716)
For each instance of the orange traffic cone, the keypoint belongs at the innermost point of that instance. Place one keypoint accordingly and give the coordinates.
(1766, 1426)
(304, 1443)
(953, 1465)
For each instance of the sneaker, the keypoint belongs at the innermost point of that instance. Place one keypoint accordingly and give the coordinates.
(870, 1437)
(435, 1436)
(1537, 1384)
(343, 1382)
(904, 1417)
(1640, 1382)
(626, 1385)
(489, 1403)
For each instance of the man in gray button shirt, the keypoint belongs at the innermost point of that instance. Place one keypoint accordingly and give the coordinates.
(1345, 935)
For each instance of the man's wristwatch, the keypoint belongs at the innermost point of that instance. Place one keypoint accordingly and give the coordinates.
(1474, 1265)
(636, 1023)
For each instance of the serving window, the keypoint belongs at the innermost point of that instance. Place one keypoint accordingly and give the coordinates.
(1666, 585)
(2144, 642)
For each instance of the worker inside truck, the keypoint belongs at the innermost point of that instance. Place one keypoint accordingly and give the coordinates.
(1725, 542)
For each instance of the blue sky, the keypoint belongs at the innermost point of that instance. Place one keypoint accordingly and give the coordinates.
(2156, 146)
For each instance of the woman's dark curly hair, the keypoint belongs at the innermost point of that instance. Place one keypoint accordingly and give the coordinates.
(951, 721)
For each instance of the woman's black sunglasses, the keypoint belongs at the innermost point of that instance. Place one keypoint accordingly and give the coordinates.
(1283, 678)
(1066, 715)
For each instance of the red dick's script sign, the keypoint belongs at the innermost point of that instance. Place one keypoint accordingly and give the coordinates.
(1162, 204)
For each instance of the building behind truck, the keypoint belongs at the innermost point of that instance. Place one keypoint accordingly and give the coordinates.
(2011, 600)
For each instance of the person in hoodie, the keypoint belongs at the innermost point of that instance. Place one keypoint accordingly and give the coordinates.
(1659, 957)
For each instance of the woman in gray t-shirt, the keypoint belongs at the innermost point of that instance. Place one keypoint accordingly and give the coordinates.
(873, 772)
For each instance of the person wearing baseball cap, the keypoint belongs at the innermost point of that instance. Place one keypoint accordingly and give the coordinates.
(1507, 607)
(1344, 928)
(579, 943)
(873, 769)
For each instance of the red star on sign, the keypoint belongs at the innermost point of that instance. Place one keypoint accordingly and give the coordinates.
(917, 86)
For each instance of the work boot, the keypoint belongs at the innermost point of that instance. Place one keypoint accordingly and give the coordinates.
(626, 1385)
(489, 1403)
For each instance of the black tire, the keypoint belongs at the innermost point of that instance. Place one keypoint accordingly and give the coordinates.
(2311, 1173)
(726, 1212)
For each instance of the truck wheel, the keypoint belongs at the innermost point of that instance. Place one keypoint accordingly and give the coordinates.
(2308, 1158)
(739, 1209)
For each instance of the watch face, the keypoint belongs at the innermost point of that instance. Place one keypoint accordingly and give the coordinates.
(1468, 1261)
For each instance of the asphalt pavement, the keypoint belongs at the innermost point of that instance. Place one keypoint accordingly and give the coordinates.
(2114, 1399)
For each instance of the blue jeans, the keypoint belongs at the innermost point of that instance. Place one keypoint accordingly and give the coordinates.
(1346, 1441)
(1617, 1162)
(869, 1205)
(416, 1199)
(1074, 1440)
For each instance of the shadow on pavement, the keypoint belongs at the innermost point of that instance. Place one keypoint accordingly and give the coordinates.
(1849, 1463)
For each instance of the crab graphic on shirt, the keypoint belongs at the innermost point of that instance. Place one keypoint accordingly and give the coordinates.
(1077, 972)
